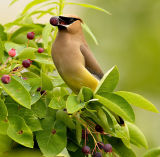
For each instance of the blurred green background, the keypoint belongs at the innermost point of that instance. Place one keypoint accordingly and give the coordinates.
(130, 39)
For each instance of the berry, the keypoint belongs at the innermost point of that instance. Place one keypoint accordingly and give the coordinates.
(97, 154)
(39, 89)
(5, 79)
(26, 63)
(54, 21)
(15, 69)
(100, 145)
(30, 35)
(43, 92)
(86, 150)
(40, 50)
(107, 148)
(99, 128)
(12, 52)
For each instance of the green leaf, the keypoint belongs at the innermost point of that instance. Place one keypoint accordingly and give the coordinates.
(46, 82)
(18, 92)
(87, 29)
(108, 82)
(117, 105)
(3, 35)
(63, 116)
(58, 101)
(40, 109)
(12, 2)
(5, 143)
(31, 119)
(23, 82)
(1, 51)
(46, 34)
(19, 131)
(52, 141)
(118, 130)
(9, 45)
(27, 53)
(154, 152)
(32, 4)
(3, 110)
(137, 100)
(89, 6)
(78, 131)
(85, 94)
(73, 105)
(44, 59)
(136, 136)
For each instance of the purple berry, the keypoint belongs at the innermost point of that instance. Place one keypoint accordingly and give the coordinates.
(26, 63)
(40, 50)
(97, 154)
(30, 35)
(107, 148)
(86, 150)
(43, 92)
(100, 145)
(39, 89)
(54, 21)
(5, 79)
(99, 128)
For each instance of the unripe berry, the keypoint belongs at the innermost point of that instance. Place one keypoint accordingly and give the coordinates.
(54, 21)
(30, 35)
(12, 52)
(98, 128)
(107, 148)
(97, 154)
(40, 50)
(5, 79)
(26, 63)
(86, 150)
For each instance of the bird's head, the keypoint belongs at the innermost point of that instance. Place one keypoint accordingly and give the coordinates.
(70, 23)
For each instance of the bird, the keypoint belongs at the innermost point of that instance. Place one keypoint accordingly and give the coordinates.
(72, 56)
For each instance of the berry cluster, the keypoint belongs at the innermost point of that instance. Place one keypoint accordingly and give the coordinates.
(25, 63)
(102, 148)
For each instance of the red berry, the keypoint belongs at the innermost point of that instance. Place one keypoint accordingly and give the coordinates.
(97, 154)
(26, 63)
(40, 50)
(99, 128)
(30, 61)
(30, 35)
(5, 79)
(54, 21)
(86, 150)
(12, 52)
(107, 148)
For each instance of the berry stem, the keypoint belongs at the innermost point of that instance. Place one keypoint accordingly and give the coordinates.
(4, 65)
(28, 43)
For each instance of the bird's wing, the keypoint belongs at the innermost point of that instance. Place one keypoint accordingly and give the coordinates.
(90, 62)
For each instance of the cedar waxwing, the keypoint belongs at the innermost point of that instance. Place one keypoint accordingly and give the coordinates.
(72, 56)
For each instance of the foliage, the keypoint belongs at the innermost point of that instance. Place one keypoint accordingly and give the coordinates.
(36, 105)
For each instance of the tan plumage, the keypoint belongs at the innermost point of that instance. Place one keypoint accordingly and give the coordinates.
(72, 56)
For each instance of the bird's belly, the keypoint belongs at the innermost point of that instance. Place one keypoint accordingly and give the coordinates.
(78, 77)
